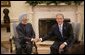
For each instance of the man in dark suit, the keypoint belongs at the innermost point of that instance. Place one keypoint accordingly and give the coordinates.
(26, 35)
(63, 33)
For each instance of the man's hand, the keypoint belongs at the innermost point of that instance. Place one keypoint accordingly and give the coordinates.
(61, 47)
(40, 39)
(36, 39)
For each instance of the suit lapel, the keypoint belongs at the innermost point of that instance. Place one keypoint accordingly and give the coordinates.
(22, 28)
(58, 29)
(64, 28)
(59, 33)
(27, 28)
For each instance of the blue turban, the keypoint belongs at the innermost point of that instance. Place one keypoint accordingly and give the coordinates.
(21, 16)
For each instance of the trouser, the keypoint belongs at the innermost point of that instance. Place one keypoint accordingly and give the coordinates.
(18, 51)
(54, 49)
(24, 49)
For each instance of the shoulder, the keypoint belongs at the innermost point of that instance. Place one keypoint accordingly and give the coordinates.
(18, 26)
(68, 24)
(29, 24)
(55, 25)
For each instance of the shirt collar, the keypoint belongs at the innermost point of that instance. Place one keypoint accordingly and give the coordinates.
(61, 25)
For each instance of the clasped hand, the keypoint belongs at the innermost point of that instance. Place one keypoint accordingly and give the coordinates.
(61, 47)
(36, 40)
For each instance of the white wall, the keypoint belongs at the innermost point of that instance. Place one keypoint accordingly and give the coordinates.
(72, 12)
(16, 8)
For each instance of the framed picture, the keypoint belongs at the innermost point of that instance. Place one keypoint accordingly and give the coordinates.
(5, 4)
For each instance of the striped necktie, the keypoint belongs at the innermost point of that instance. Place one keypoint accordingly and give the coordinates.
(60, 28)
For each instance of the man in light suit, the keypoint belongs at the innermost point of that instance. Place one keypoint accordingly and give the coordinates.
(63, 33)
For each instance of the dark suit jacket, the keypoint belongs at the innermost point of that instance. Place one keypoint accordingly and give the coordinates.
(67, 34)
(25, 33)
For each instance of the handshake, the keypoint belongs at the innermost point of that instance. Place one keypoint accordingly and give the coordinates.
(36, 39)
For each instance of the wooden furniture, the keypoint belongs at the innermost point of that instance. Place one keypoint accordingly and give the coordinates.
(44, 47)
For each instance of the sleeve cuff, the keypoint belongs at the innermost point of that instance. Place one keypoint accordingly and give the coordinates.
(32, 39)
(65, 43)
(41, 39)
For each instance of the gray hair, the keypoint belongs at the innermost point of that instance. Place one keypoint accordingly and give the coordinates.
(21, 16)
(60, 14)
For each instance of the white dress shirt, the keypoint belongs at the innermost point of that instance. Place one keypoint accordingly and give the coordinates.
(61, 30)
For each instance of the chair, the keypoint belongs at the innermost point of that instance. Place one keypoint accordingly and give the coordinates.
(14, 40)
(13, 37)
(76, 30)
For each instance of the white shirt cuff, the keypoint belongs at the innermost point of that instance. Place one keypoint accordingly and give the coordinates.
(41, 39)
(65, 43)
(32, 39)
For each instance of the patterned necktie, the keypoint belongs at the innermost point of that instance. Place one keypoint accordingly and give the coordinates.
(60, 28)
